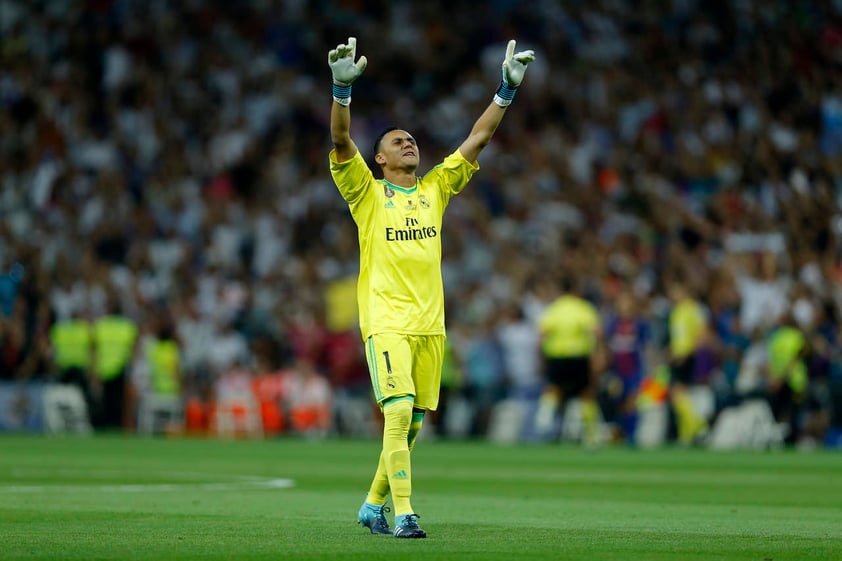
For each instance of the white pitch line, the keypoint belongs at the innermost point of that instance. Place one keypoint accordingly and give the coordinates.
(30, 472)
(145, 487)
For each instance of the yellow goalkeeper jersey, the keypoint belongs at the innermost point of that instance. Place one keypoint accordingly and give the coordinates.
(399, 289)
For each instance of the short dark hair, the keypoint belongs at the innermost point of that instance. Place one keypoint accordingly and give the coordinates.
(379, 139)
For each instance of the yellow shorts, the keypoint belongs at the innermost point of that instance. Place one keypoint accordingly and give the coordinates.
(402, 365)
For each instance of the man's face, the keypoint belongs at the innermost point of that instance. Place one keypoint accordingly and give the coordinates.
(398, 150)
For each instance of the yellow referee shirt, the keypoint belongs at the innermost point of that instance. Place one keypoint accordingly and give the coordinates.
(687, 323)
(569, 326)
(399, 289)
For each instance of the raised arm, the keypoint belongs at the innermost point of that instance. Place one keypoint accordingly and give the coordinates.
(340, 132)
(514, 67)
(482, 132)
(345, 71)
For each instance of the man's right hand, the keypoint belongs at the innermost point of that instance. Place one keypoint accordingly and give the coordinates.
(514, 65)
(342, 65)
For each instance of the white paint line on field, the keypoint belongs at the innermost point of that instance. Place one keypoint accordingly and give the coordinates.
(116, 474)
(147, 487)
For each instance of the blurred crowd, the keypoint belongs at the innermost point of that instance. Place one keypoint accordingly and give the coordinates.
(166, 163)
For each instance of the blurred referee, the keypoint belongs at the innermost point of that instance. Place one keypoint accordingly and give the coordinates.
(570, 331)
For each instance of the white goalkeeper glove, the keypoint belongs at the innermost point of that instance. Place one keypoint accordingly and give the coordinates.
(514, 67)
(344, 69)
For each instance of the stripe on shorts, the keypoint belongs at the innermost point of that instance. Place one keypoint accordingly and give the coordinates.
(375, 377)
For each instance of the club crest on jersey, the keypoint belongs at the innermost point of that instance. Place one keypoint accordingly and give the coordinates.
(422, 200)
(388, 192)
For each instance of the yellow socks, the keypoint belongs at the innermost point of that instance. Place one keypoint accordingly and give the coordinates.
(547, 407)
(689, 423)
(414, 429)
(591, 419)
(398, 417)
(380, 485)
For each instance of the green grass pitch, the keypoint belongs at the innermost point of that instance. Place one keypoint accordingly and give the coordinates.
(130, 498)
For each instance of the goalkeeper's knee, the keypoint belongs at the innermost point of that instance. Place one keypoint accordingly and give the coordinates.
(397, 415)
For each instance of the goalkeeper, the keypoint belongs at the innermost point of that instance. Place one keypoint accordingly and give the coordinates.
(399, 290)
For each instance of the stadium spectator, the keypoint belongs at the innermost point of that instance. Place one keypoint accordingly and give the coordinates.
(484, 370)
(521, 359)
(520, 348)
(307, 398)
(227, 348)
(9, 283)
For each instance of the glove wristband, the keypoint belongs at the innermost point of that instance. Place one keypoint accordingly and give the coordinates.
(342, 93)
(504, 94)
